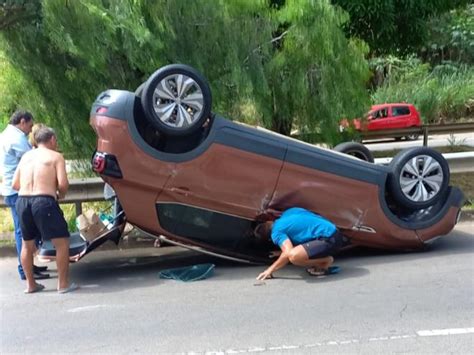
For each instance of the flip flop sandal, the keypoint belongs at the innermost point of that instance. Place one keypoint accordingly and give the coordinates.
(38, 288)
(72, 287)
(314, 271)
(322, 272)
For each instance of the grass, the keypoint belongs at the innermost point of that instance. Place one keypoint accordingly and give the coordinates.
(465, 182)
(442, 94)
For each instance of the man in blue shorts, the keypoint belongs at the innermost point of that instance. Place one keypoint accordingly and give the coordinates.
(41, 180)
(305, 238)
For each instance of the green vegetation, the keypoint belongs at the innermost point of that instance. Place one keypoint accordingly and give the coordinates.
(464, 181)
(395, 26)
(284, 64)
(444, 93)
(6, 222)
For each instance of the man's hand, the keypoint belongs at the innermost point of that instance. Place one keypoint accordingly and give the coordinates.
(267, 274)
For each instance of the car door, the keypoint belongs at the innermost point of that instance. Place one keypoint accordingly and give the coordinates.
(400, 117)
(237, 173)
(379, 119)
(213, 199)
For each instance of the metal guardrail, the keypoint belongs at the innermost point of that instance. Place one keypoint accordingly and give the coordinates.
(92, 189)
(80, 190)
(462, 162)
(425, 130)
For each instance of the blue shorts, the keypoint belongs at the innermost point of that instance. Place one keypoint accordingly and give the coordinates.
(325, 246)
(40, 215)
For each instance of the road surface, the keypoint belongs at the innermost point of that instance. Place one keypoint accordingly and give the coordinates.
(380, 303)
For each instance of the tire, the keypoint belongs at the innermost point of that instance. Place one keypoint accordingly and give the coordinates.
(171, 112)
(419, 178)
(412, 137)
(355, 149)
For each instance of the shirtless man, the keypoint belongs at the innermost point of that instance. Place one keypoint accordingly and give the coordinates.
(40, 180)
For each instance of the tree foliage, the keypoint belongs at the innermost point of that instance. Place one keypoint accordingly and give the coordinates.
(285, 64)
(451, 37)
(393, 26)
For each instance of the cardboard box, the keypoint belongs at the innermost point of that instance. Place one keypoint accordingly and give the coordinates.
(90, 226)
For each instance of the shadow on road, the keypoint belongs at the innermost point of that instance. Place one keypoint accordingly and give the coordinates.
(119, 270)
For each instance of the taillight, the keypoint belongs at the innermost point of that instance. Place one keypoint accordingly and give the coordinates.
(106, 164)
(98, 163)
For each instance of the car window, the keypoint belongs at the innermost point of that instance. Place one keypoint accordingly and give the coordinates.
(382, 113)
(400, 111)
(207, 226)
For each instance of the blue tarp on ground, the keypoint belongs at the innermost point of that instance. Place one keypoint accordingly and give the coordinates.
(188, 273)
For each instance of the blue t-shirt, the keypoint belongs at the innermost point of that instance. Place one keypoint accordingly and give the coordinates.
(300, 226)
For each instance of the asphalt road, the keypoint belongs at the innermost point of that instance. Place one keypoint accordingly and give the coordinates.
(380, 303)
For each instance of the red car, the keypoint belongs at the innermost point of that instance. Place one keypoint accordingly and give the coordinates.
(389, 116)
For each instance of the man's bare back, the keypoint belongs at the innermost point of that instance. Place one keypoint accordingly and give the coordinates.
(42, 171)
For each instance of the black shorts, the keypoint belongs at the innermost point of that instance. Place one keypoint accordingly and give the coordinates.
(40, 215)
(322, 247)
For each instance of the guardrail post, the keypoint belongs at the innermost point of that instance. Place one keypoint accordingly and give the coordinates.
(425, 136)
(78, 208)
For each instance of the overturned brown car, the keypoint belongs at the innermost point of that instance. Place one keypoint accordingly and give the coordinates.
(200, 180)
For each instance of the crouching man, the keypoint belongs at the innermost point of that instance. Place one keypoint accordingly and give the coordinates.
(40, 180)
(305, 238)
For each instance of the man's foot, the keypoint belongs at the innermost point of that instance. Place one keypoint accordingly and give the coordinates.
(316, 271)
(39, 268)
(38, 287)
(72, 287)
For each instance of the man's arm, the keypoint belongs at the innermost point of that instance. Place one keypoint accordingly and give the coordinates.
(16, 178)
(282, 261)
(61, 175)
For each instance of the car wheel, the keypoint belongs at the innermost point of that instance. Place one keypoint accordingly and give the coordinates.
(176, 100)
(419, 177)
(355, 149)
(412, 137)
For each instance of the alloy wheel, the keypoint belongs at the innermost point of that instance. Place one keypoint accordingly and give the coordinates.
(178, 101)
(421, 178)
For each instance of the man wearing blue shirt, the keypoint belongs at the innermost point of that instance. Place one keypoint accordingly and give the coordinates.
(305, 238)
(13, 144)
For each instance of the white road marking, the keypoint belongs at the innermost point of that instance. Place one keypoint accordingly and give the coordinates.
(438, 332)
(419, 333)
(86, 308)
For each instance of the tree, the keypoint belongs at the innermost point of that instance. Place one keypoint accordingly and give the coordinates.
(286, 64)
(18, 11)
(393, 26)
(314, 75)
